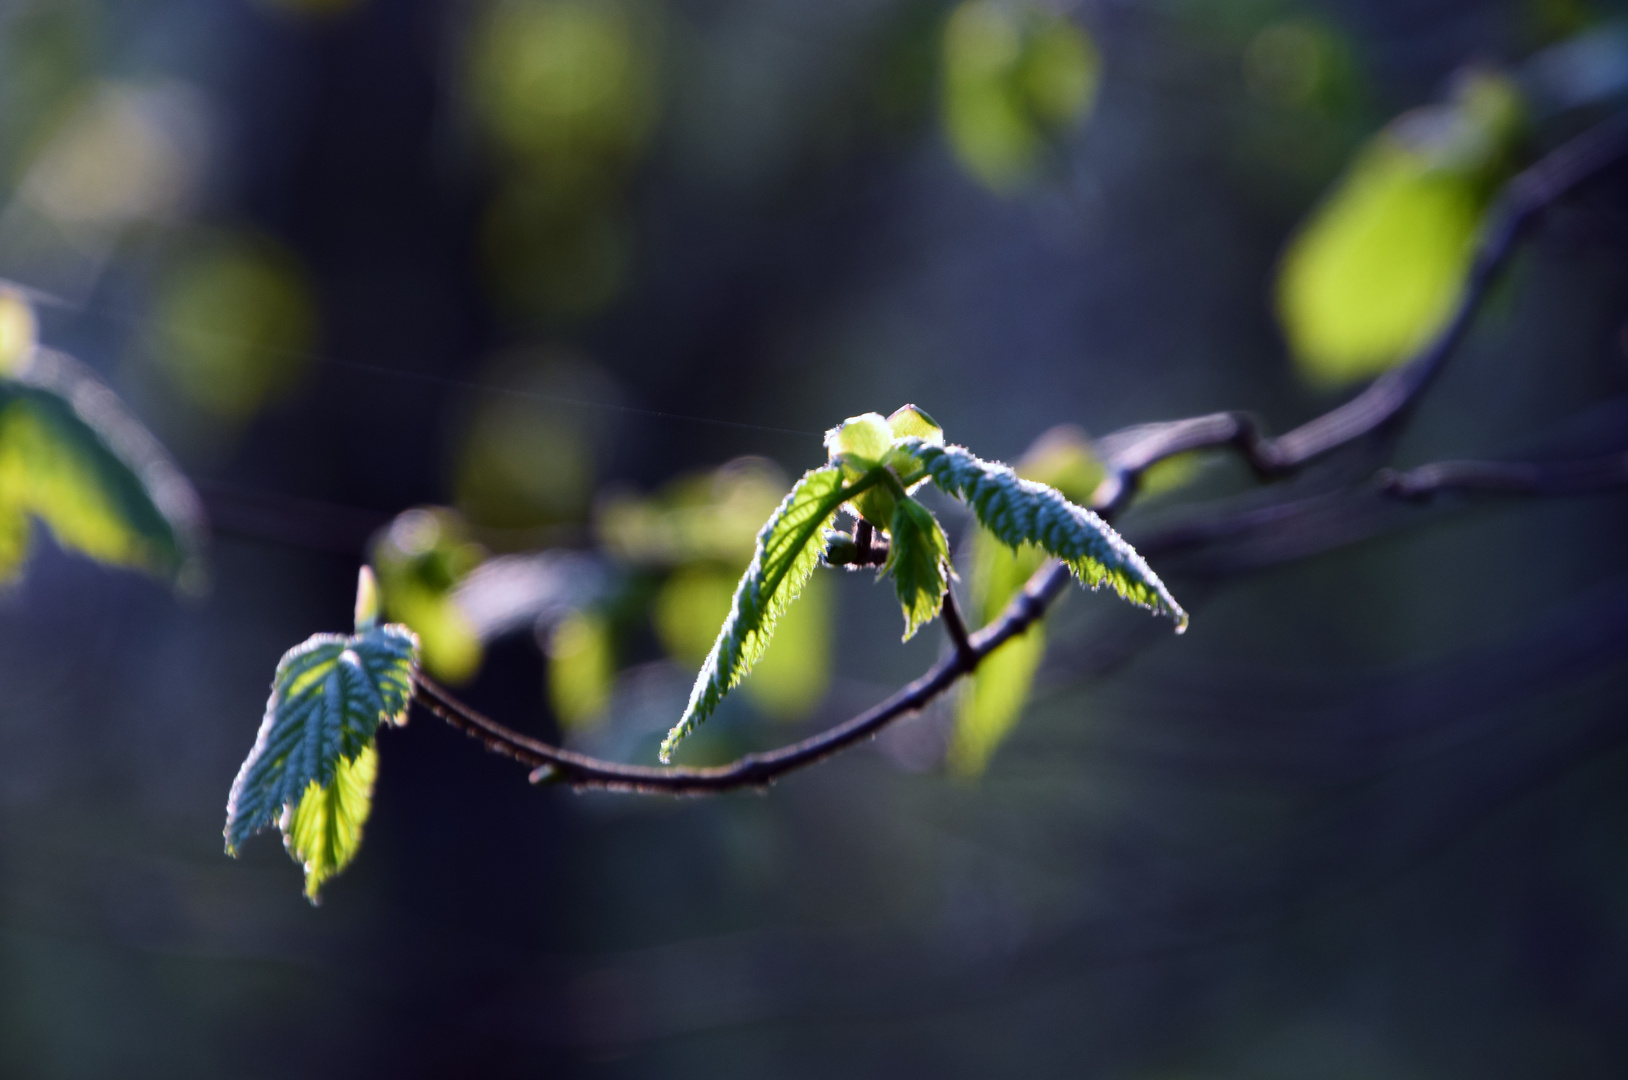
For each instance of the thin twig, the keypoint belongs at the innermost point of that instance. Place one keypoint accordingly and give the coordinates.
(1389, 398)
(956, 627)
(753, 770)
(1507, 477)
(1384, 404)
(1216, 545)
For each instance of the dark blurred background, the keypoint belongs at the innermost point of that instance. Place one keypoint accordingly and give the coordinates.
(1367, 818)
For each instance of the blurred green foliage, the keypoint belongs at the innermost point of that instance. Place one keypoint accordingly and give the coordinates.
(324, 830)
(786, 553)
(72, 459)
(235, 325)
(420, 559)
(1379, 267)
(19, 332)
(1017, 77)
(581, 669)
(47, 52)
(1137, 847)
(994, 696)
(700, 531)
(52, 468)
(698, 518)
(310, 772)
(567, 93)
(527, 458)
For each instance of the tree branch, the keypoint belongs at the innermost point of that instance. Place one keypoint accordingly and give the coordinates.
(1388, 399)
(1507, 477)
(1128, 454)
(956, 627)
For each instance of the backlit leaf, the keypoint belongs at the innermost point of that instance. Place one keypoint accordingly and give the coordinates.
(788, 550)
(324, 831)
(1021, 512)
(1378, 268)
(918, 561)
(909, 420)
(858, 445)
(71, 456)
(995, 693)
(328, 697)
(859, 442)
(992, 701)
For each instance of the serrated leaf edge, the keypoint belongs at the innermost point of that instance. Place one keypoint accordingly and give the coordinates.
(1018, 511)
(298, 666)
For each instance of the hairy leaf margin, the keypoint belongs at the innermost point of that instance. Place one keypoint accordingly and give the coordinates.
(1019, 511)
(918, 558)
(329, 696)
(788, 549)
(324, 832)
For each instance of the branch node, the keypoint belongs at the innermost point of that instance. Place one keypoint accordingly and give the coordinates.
(956, 627)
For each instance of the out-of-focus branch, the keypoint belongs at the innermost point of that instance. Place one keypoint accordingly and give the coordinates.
(1507, 477)
(1389, 398)
(1128, 454)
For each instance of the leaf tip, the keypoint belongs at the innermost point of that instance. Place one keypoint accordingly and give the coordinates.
(367, 600)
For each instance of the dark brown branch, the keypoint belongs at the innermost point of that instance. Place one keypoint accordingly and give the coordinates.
(1389, 398)
(864, 535)
(1507, 477)
(863, 548)
(956, 627)
(754, 770)
(1128, 454)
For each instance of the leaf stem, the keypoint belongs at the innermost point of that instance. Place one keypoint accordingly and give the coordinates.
(956, 627)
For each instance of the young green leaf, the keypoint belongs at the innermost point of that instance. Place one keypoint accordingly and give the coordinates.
(788, 550)
(994, 695)
(858, 446)
(71, 456)
(367, 600)
(1379, 266)
(328, 697)
(859, 443)
(1021, 512)
(918, 558)
(909, 420)
(324, 831)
